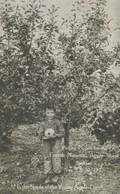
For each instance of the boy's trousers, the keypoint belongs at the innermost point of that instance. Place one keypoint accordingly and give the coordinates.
(52, 156)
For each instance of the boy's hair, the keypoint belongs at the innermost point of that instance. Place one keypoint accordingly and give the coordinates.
(50, 106)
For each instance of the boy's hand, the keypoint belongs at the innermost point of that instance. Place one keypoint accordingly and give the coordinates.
(59, 135)
(50, 137)
(44, 138)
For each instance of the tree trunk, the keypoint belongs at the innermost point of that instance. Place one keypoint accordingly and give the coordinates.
(66, 139)
(66, 143)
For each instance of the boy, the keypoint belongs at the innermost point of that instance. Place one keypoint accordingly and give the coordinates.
(52, 134)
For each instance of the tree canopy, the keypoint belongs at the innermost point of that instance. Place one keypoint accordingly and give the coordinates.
(40, 63)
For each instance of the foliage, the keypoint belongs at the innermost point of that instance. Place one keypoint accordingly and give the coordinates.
(95, 92)
(25, 61)
(40, 64)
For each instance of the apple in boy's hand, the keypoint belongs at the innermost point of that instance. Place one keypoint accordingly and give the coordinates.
(49, 134)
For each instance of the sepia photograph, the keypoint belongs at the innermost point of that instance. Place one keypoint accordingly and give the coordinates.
(59, 96)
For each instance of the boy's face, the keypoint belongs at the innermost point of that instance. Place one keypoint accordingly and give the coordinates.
(50, 113)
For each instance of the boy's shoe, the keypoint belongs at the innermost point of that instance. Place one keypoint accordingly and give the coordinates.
(55, 179)
(48, 180)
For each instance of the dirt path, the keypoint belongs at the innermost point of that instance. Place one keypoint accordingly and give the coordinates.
(93, 169)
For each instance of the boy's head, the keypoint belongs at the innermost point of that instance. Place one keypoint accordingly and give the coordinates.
(50, 112)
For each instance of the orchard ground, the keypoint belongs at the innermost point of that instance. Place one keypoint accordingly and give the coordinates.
(93, 168)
